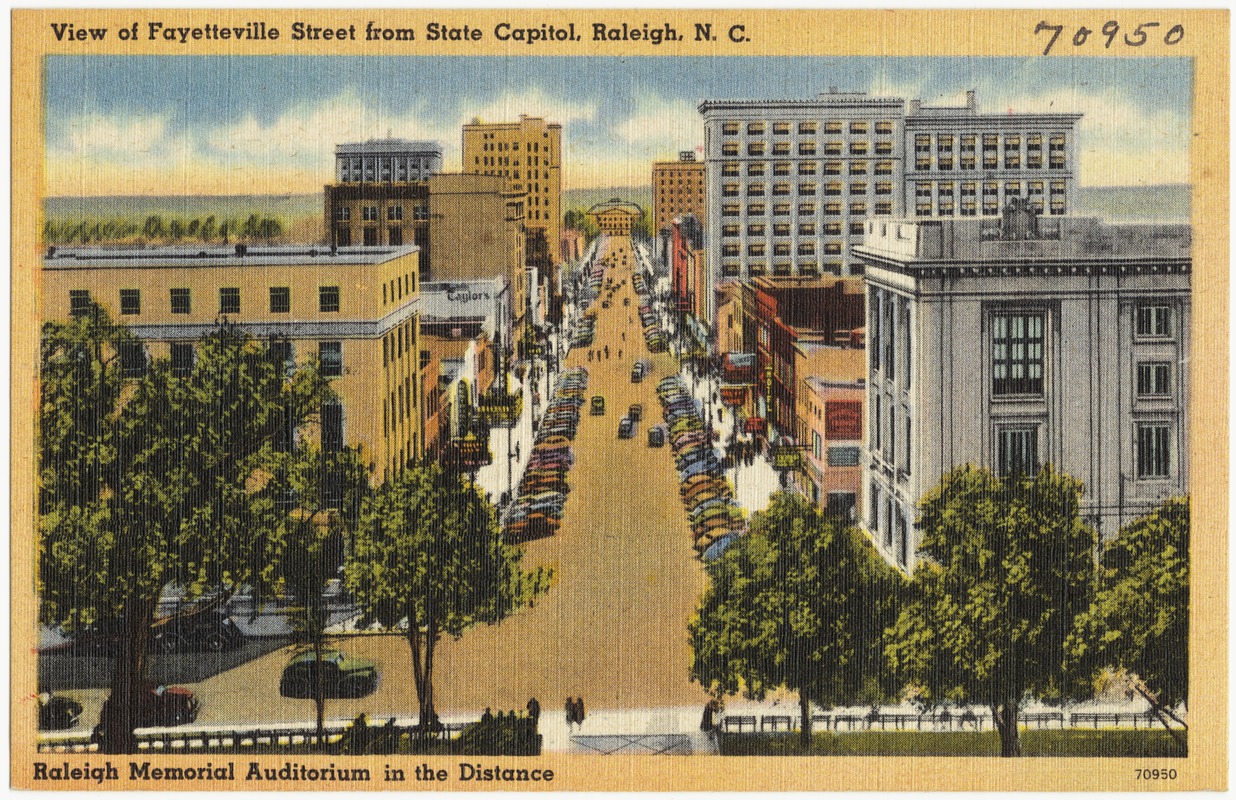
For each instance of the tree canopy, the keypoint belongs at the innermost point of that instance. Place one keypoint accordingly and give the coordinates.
(1139, 620)
(430, 561)
(1006, 565)
(800, 603)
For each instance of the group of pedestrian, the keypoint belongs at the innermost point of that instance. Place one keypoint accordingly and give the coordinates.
(574, 711)
(743, 452)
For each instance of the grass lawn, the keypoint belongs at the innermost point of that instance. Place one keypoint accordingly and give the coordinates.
(1068, 743)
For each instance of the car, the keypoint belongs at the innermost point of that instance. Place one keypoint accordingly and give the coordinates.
(342, 676)
(626, 428)
(656, 436)
(597, 406)
(213, 631)
(635, 412)
(158, 706)
(57, 712)
(626, 301)
(605, 304)
(637, 372)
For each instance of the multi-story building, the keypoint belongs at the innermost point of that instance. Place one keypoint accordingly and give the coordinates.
(830, 415)
(528, 154)
(1020, 341)
(791, 183)
(688, 278)
(781, 315)
(615, 217)
(381, 194)
(354, 310)
(477, 233)
(677, 189)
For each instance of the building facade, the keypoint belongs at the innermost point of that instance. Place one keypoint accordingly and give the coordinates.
(615, 217)
(677, 189)
(688, 274)
(791, 184)
(355, 310)
(528, 154)
(830, 415)
(1016, 342)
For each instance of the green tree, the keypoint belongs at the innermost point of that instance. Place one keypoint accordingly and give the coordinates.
(429, 560)
(322, 492)
(1139, 620)
(799, 602)
(153, 227)
(1006, 565)
(155, 481)
(209, 228)
(176, 229)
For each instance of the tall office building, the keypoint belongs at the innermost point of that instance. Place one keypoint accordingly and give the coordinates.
(790, 184)
(528, 154)
(1020, 341)
(677, 190)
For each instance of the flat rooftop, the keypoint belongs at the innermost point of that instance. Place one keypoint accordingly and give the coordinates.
(223, 257)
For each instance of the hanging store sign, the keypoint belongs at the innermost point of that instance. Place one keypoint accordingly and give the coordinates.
(786, 457)
(733, 395)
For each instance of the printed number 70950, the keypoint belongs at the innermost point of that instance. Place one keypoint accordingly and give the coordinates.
(1156, 774)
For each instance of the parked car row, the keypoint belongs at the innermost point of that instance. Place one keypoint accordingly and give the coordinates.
(709, 499)
(653, 335)
(537, 510)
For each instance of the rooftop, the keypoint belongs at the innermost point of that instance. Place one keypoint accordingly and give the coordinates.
(388, 146)
(224, 257)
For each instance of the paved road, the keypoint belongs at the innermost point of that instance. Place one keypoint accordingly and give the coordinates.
(613, 627)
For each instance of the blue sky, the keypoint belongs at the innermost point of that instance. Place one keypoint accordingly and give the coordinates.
(250, 124)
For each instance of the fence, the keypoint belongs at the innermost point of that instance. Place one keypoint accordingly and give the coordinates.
(941, 721)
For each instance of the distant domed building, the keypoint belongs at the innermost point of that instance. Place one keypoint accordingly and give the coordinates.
(615, 216)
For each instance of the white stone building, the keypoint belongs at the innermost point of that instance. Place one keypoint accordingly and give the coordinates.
(1016, 342)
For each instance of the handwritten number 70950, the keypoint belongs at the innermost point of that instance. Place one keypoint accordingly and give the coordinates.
(1111, 29)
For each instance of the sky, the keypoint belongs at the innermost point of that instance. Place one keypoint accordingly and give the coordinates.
(193, 125)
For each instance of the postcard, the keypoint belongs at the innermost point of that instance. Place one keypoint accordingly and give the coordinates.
(335, 466)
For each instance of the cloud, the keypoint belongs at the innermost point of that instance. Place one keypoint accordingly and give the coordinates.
(100, 135)
(671, 124)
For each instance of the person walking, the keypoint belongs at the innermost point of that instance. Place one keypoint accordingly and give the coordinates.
(607, 352)
(579, 711)
(620, 354)
(570, 713)
(534, 710)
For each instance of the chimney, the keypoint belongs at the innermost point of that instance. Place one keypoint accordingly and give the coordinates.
(915, 105)
(971, 102)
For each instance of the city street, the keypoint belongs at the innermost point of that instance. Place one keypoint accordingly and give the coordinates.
(612, 629)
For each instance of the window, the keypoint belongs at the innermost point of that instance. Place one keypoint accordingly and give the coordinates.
(332, 427)
(781, 210)
(781, 129)
(755, 190)
(79, 302)
(328, 299)
(755, 210)
(858, 209)
(1017, 354)
(857, 229)
(182, 359)
(806, 148)
(1154, 378)
(1019, 451)
(808, 209)
(343, 213)
(729, 149)
(783, 148)
(806, 248)
(729, 230)
(330, 356)
(394, 213)
(806, 190)
(755, 168)
(781, 189)
(806, 229)
(755, 148)
(756, 249)
(1154, 451)
(281, 353)
(808, 128)
(180, 301)
(842, 456)
(729, 169)
(832, 167)
(832, 228)
(369, 213)
(280, 299)
(755, 230)
(755, 129)
(883, 208)
(858, 167)
(130, 301)
(229, 300)
(858, 148)
(884, 127)
(1154, 321)
(132, 359)
(729, 210)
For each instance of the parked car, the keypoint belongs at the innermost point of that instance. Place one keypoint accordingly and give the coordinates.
(160, 706)
(597, 408)
(57, 712)
(637, 372)
(635, 412)
(213, 631)
(656, 436)
(342, 676)
(626, 428)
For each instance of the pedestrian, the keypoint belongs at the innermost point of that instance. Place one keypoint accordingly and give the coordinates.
(579, 711)
(570, 712)
(607, 352)
(619, 354)
(487, 717)
(624, 336)
(534, 709)
(517, 451)
(589, 355)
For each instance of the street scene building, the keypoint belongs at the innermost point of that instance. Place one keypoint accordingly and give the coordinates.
(677, 189)
(1020, 341)
(354, 310)
(380, 195)
(792, 183)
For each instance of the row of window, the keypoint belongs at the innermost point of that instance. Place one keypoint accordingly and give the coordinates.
(990, 161)
(782, 229)
(135, 361)
(531, 147)
(394, 213)
(732, 169)
(733, 269)
(384, 168)
(808, 128)
(859, 147)
(856, 208)
(181, 299)
(968, 142)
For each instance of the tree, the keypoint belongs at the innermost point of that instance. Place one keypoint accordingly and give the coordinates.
(323, 491)
(1139, 620)
(208, 229)
(429, 560)
(153, 228)
(153, 481)
(1006, 565)
(799, 602)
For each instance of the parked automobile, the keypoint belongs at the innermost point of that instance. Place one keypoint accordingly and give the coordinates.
(213, 631)
(656, 436)
(342, 676)
(160, 706)
(57, 712)
(635, 412)
(637, 372)
(626, 428)
(597, 407)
